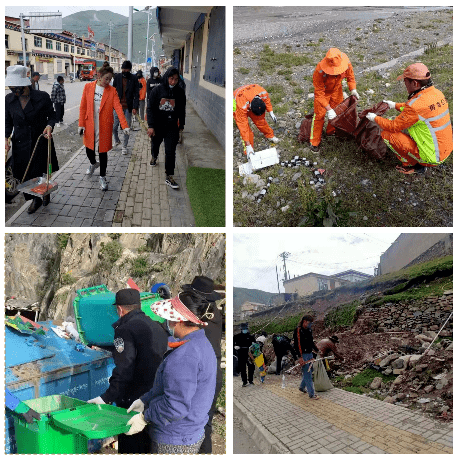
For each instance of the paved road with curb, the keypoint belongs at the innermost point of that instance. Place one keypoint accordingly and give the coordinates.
(341, 422)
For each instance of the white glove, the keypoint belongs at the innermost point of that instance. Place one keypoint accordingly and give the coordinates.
(390, 103)
(81, 130)
(137, 405)
(97, 401)
(137, 424)
(249, 150)
(273, 117)
(237, 348)
(355, 93)
(331, 114)
(126, 131)
(345, 95)
(371, 116)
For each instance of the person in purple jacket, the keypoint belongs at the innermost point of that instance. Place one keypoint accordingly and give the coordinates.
(176, 409)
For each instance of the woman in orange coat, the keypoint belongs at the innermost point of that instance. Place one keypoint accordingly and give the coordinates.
(98, 101)
(142, 94)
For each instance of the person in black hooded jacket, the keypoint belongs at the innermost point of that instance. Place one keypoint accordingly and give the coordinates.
(153, 81)
(166, 117)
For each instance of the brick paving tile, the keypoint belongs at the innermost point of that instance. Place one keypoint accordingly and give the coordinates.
(339, 422)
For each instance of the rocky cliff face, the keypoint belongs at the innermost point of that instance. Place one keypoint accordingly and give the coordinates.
(50, 268)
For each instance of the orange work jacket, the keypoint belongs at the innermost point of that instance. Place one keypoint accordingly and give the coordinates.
(143, 90)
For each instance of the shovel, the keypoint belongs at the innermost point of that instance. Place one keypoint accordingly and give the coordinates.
(260, 160)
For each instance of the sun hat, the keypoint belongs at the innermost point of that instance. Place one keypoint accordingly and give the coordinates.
(175, 311)
(204, 286)
(417, 71)
(16, 75)
(335, 62)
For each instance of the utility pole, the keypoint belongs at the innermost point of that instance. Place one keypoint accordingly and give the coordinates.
(110, 44)
(21, 16)
(130, 34)
(285, 255)
(147, 36)
(277, 279)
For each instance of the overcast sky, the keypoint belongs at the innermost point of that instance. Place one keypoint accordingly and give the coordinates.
(65, 10)
(257, 254)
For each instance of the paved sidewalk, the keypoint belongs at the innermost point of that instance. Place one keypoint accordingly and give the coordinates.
(137, 194)
(287, 421)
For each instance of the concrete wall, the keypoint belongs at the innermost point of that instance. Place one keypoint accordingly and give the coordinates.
(209, 99)
(411, 246)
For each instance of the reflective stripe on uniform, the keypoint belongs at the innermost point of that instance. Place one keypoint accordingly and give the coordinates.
(401, 158)
(312, 126)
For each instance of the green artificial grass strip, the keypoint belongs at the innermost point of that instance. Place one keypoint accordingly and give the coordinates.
(206, 190)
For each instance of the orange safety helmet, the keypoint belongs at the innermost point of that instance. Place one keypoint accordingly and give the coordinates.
(335, 62)
(417, 71)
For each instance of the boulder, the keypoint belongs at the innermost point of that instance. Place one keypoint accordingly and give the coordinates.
(398, 380)
(429, 388)
(389, 399)
(414, 359)
(450, 347)
(398, 371)
(388, 359)
(376, 383)
(423, 338)
(442, 383)
(443, 409)
(400, 396)
(387, 371)
(421, 367)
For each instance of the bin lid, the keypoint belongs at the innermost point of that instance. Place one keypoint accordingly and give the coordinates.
(94, 421)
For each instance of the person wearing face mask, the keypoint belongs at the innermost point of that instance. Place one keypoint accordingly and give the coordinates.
(175, 411)
(153, 81)
(98, 102)
(166, 118)
(139, 347)
(242, 342)
(304, 345)
(142, 94)
(28, 114)
(127, 86)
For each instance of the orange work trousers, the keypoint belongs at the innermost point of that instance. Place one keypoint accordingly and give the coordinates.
(404, 147)
(317, 124)
(263, 127)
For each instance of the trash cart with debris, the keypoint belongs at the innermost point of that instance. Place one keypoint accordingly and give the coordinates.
(40, 365)
(66, 424)
(95, 313)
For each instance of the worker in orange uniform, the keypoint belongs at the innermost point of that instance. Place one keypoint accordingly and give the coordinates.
(252, 101)
(327, 81)
(426, 117)
(142, 94)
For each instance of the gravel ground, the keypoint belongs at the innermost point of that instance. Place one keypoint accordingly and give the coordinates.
(370, 36)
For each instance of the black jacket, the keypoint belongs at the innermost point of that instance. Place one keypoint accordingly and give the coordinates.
(244, 341)
(282, 345)
(139, 347)
(306, 341)
(28, 124)
(152, 83)
(166, 106)
(213, 332)
(132, 90)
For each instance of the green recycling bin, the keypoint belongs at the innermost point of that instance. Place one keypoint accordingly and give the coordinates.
(43, 436)
(67, 424)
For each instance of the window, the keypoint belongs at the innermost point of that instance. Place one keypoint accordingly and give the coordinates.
(49, 44)
(215, 56)
(59, 66)
(58, 46)
(38, 66)
(72, 49)
(38, 41)
(7, 37)
(322, 284)
(25, 43)
(78, 50)
(66, 48)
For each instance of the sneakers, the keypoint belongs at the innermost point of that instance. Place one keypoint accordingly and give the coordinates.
(124, 150)
(153, 162)
(303, 390)
(251, 383)
(245, 385)
(57, 125)
(91, 169)
(103, 184)
(274, 139)
(116, 143)
(171, 182)
(314, 148)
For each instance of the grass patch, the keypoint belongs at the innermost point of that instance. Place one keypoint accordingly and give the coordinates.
(206, 189)
(282, 324)
(244, 70)
(236, 51)
(343, 315)
(269, 60)
(140, 266)
(68, 279)
(63, 238)
(364, 378)
(298, 91)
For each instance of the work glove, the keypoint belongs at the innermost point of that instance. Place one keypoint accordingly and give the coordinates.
(331, 114)
(249, 150)
(137, 424)
(137, 405)
(273, 117)
(371, 116)
(390, 103)
(237, 348)
(345, 95)
(355, 93)
(126, 131)
(30, 415)
(81, 130)
(96, 401)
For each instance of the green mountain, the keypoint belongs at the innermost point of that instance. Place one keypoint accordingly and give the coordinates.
(241, 295)
(99, 21)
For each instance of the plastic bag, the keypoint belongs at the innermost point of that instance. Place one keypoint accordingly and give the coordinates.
(305, 129)
(367, 133)
(320, 377)
(347, 116)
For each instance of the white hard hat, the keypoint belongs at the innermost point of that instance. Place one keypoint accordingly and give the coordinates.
(16, 75)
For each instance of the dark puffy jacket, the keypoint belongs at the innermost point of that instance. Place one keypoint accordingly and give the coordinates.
(166, 105)
(132, 90)
(306, 344)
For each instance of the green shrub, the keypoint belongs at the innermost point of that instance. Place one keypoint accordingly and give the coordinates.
(63, 239)
(244, 70)
(343, 315)
(68, 279)
(140, 266)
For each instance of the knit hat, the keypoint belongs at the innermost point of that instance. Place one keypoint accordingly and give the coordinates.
(127, 65)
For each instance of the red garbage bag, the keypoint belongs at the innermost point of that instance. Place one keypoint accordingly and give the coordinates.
(367, 133)
(305, 129)
(347, 117)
